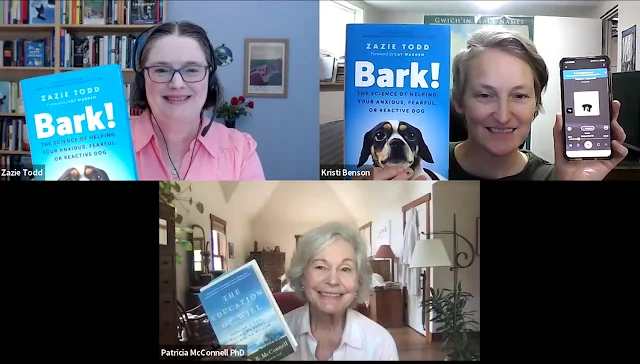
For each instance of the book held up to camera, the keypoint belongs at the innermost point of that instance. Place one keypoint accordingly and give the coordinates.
(78, 125)
(397, 97)
(242, 311)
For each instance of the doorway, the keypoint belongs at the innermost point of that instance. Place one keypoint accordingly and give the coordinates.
(610, 37)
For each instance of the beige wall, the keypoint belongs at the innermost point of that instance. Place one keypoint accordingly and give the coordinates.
(461, 198)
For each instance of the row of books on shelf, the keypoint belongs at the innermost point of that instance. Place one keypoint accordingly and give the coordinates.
(89, 51)
(27, 53)
(90, 12)
(97, 50)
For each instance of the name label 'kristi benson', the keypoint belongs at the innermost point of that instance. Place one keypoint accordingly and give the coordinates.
(69, 125)
(387, 77)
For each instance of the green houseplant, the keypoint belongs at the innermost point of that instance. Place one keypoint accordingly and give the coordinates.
(170, 194)
(448, 308)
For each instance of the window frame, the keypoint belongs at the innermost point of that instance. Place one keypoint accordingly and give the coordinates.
(215, 239)
(358, 17)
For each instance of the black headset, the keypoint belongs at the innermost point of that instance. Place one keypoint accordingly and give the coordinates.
(139, 78)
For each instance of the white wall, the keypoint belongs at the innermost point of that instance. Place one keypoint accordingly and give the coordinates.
(393, 212)
(461, 198)
(210, 194)
(555, 38)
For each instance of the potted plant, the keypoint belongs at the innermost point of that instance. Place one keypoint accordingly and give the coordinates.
(455, 324)
(170, 193)
(232, 110)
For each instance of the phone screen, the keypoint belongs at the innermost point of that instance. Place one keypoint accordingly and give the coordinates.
(586, 102)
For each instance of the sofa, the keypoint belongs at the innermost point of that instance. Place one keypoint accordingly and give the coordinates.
(287, 301)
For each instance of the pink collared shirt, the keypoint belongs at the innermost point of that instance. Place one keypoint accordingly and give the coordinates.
(362, 338)
(223, 154)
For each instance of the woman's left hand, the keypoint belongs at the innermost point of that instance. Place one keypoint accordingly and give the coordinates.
(589, 170)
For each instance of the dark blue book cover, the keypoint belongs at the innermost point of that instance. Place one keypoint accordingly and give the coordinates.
(34, 54)
(42, 11)
(242, 311)
(397, 94)
(78, 124)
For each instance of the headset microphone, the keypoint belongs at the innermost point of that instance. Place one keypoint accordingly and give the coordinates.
(205, 130)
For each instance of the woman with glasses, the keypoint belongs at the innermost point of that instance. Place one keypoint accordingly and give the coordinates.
(176, 82)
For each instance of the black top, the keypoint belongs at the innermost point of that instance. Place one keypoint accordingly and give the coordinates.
(537, 169)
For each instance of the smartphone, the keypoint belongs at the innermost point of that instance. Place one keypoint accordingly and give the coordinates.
(585, 86)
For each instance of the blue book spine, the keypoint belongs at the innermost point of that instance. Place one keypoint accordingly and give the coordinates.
(397, 95)
(34, 54)
(78, 125)
(243, 312)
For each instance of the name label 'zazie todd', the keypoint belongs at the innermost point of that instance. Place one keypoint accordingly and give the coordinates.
(66, 125)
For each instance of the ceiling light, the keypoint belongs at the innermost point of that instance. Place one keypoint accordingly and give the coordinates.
(489, 4)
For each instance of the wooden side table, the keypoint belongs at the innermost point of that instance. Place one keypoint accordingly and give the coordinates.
(387, 307)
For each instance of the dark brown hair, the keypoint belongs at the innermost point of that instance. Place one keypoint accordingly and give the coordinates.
(185, 29)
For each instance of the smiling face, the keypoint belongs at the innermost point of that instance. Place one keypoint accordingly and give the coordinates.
(499, 101)
(330, 280)
(176, 99)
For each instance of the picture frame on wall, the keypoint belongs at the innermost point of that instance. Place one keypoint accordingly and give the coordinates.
(266, 67)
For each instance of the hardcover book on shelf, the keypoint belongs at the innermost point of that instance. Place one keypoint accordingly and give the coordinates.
(397, 94)
(78, 125)
(242, 311)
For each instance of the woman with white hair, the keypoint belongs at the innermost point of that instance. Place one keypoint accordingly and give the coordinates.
(330, 271)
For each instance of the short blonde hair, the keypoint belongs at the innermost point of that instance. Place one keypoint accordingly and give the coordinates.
(504, 40)
(316, 240)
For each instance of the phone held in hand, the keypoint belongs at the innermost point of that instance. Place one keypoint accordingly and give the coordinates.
(585, 86)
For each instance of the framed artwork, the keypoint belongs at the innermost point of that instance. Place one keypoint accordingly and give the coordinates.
(163, 232)
(266, 67)
(628, 53)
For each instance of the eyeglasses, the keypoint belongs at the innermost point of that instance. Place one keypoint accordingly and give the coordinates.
(164, 74)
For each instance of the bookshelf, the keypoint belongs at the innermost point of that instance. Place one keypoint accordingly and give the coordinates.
(57, 30)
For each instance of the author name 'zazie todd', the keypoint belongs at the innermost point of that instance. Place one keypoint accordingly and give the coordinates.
(67, 94)
(70, 125)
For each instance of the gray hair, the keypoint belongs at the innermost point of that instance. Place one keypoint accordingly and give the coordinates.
(316, 240)
(504, 40)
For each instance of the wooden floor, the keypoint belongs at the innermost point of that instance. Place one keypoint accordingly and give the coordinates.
(414, 346)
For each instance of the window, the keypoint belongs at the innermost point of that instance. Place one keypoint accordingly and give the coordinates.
(334, 17)
(219, 250)
(197, 260)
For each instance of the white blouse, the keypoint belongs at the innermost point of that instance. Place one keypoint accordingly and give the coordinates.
(362, 339)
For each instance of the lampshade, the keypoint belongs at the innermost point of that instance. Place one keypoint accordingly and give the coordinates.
(430, 253)
(385, 252)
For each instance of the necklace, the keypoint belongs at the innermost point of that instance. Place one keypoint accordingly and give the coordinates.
(175, 174)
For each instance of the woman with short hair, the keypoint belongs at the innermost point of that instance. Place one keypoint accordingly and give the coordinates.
(330, 271)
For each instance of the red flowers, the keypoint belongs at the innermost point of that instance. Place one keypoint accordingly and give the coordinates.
(234, 108)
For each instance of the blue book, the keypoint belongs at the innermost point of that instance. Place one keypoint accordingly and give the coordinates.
(34, 54)
(78, 124)
(397, 95)
(243, 312)
(42, 11)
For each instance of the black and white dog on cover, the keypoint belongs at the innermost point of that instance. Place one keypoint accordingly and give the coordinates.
(396, 143)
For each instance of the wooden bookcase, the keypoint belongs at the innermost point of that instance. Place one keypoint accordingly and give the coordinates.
(42, 31)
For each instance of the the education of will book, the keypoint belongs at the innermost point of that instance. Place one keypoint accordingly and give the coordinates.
(397, 95)
(78, 125)
(242, 311)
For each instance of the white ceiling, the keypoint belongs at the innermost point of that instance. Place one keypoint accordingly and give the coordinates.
(308, 201)
(470, 7)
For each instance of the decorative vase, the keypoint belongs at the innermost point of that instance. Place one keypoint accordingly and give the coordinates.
(230, 123)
